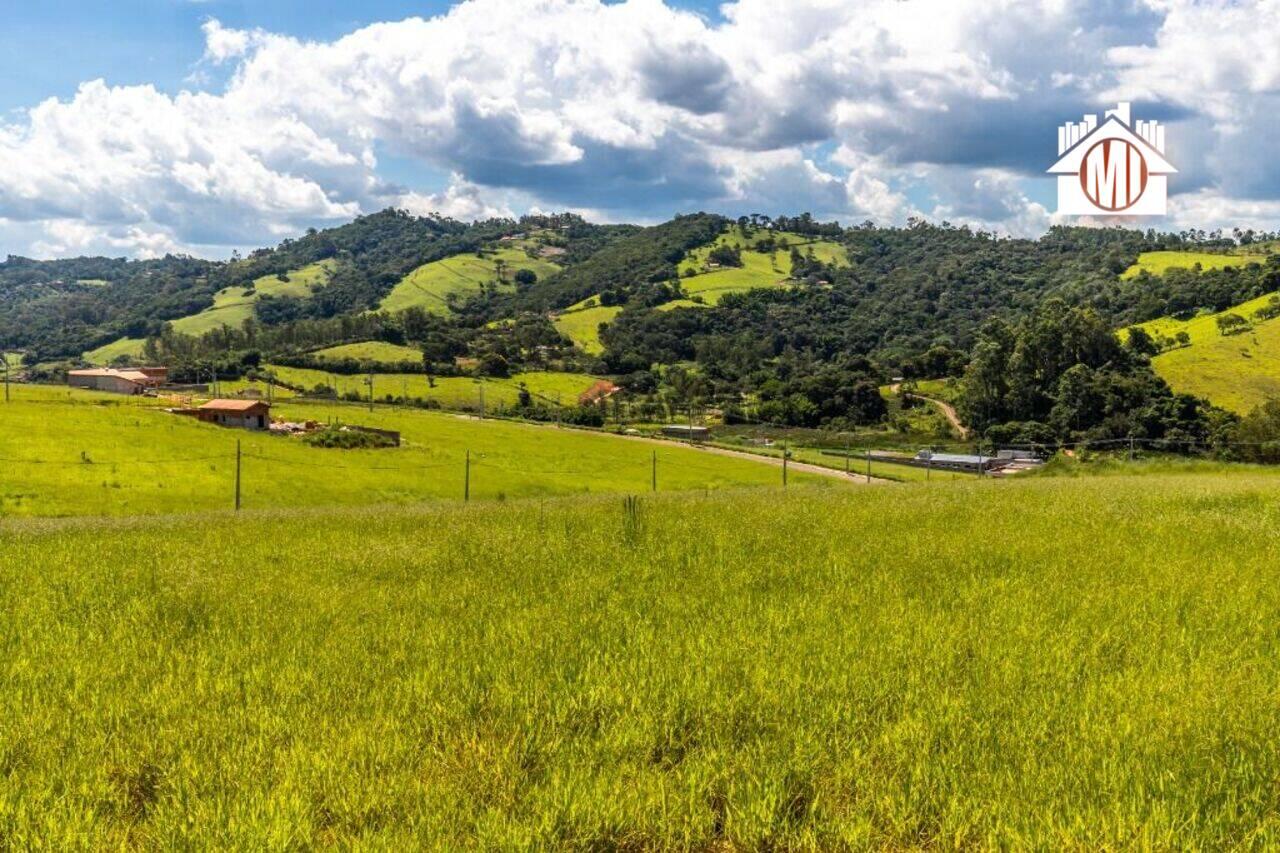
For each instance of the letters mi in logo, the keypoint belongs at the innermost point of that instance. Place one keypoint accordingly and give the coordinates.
(1116, 168)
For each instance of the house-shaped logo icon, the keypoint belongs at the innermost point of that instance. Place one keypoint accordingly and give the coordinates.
(1116, 168)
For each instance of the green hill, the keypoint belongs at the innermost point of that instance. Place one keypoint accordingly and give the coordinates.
(1157, 263)
(379, 351)
(107, 353)
(581, 325)
(1236, 371)
(433, 285)
(455, 392)
(233, 305)
(698, 277)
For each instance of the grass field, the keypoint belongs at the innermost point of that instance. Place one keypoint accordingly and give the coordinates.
(453, 392)
(107, 353)
(1157, 263)
(79, 453)
(1041, 664)
(758, 270)
(1236, 372)
(233, 305)
(430, 286)
(379, 351)
(582, 326)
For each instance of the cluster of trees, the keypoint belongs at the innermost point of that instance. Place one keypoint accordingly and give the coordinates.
(1061, 374)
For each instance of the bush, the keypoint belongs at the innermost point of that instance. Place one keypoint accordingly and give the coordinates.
(347, 439)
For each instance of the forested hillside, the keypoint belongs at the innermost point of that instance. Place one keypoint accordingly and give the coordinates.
(787, 319)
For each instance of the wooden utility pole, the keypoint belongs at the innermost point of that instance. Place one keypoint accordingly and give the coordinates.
(466, 480)
(5, 359)
(370, 381)
(481, 401)
(237, 475)
(846, 457)
(654, 475)
(785, 453)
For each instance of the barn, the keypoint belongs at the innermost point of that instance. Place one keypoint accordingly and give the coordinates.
(125, 381)
(242, 414)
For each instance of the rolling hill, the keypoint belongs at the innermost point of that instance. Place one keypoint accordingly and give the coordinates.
(433, 286)
(379, 351)
(1157, 263)
(1236, 371)
(233, 305)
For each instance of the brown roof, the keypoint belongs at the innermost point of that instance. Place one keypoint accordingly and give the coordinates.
(233, 405)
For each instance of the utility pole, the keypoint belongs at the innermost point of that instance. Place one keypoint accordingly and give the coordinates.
(785, 453)
(466, 481)
(5, 359)
(481, 401)
(370, 381)
(1130, 448)
(868, 466)
(978, 448)
(237, 475)
(654, 476)
(846, 457)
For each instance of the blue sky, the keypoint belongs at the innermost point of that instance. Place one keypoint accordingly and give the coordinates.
(230, 124)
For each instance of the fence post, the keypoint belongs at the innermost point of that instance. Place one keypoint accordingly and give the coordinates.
(237, 475)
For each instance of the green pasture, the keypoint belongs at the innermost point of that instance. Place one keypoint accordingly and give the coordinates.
(757, 270)
(379, 351)
(582, 326)
(78, 453)
(452, 392)
(1236, 371)
(107, 353)
(430, 286)
(1158, 263)
(1079, 664)
(233, 305)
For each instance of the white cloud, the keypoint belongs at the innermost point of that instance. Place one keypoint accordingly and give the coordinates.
(638, 110)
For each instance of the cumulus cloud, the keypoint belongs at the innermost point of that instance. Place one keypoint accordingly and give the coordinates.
(846, 108)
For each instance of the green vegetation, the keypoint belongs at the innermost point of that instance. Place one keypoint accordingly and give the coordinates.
(235, 304)
(439, 285)
(757, 270)
(454, 392)
(1236, 372)
(336, 437)
(108, 353)
(582, 326)
(79, 453)
(1158, 263)
(1236, 366)
(378, 351)
(1093, 668)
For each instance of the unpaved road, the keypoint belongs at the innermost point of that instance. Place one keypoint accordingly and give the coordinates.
(792, 465)
(948, 410)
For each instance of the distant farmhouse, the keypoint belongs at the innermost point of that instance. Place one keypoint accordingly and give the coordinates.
(244, 414)
(133, 380)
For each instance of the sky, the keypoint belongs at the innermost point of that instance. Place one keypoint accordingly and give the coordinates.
(141, 127)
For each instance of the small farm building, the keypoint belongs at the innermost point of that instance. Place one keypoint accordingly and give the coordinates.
(118, 381)
(243, 414)
(697, 433)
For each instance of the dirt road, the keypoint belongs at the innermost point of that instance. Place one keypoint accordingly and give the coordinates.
(948, 410)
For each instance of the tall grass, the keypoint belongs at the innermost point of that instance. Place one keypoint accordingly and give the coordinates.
(1052, 663)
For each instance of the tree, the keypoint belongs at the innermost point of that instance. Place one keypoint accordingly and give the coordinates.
(1141, 342)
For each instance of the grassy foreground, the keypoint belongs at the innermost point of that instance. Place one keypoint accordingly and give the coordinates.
(1048, 663)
